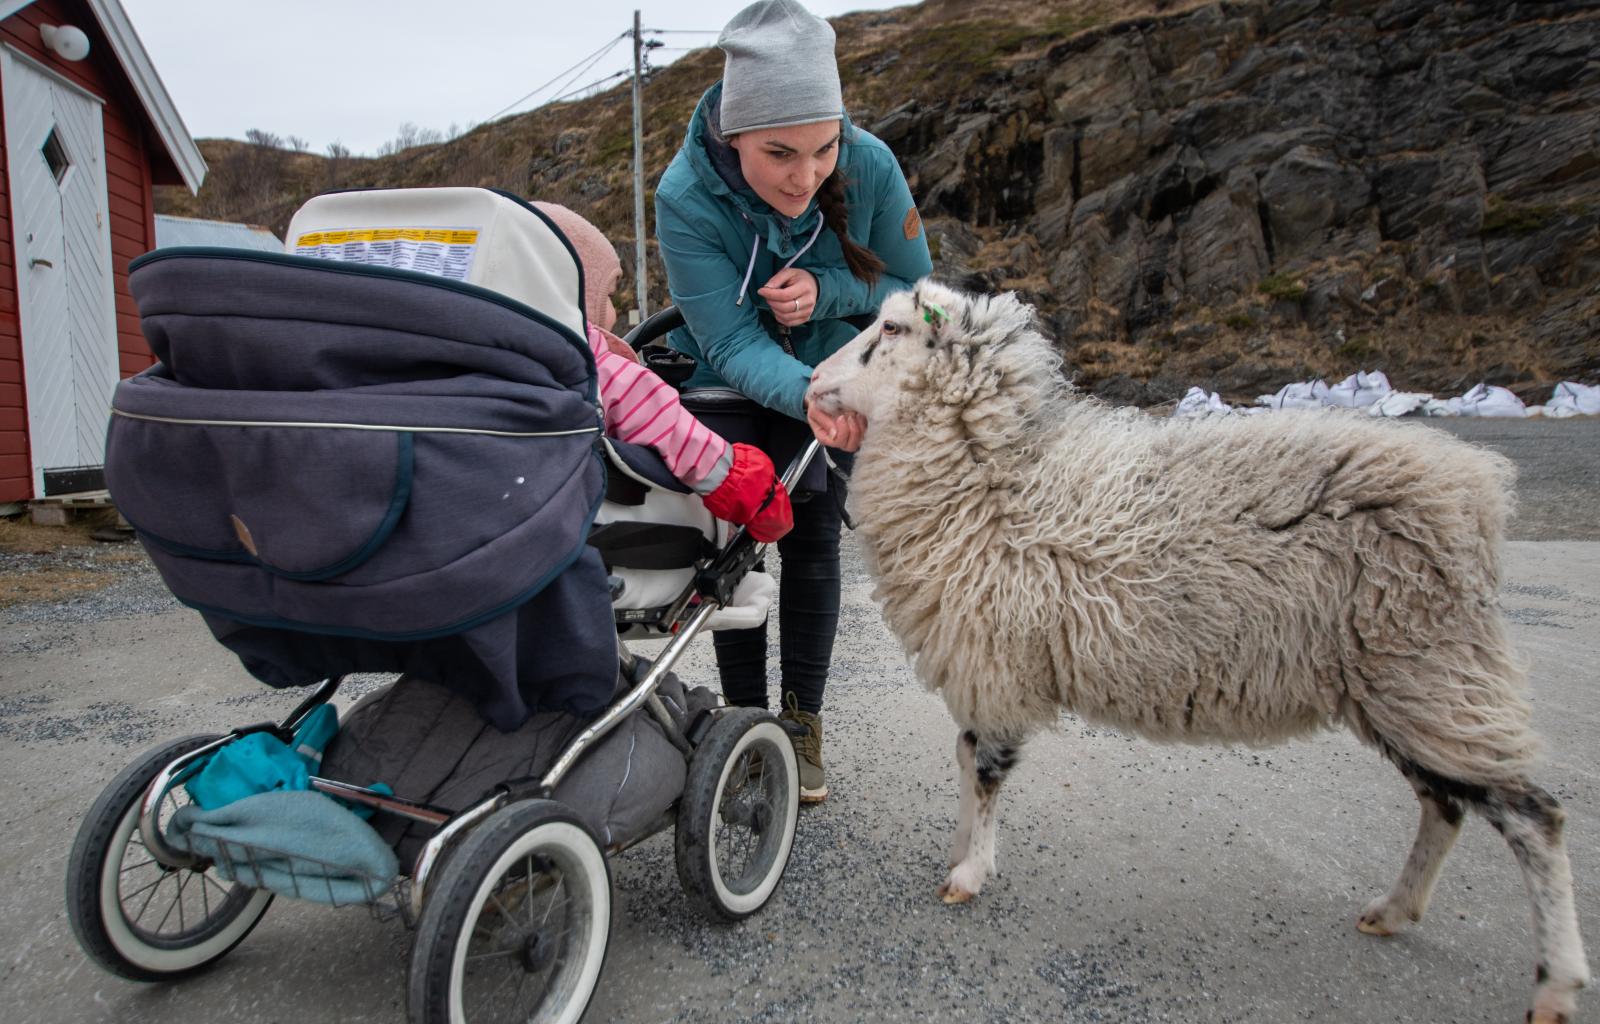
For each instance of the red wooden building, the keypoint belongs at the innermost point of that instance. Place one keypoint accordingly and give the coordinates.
(88, 130)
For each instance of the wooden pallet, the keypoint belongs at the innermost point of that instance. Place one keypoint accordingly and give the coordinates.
(58, 509)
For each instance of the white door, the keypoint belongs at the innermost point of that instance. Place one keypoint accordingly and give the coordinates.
(61, 231)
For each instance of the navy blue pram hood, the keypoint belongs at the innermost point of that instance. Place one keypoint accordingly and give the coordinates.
(347, 468)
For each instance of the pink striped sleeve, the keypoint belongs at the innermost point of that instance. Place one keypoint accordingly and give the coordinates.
(639, 404)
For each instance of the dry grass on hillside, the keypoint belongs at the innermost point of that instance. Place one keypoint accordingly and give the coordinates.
(580, 152)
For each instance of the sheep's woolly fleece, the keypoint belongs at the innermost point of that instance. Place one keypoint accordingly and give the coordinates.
(1238, 579)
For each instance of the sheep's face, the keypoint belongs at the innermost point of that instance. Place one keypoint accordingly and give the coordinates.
(937, 352)
(881, 363)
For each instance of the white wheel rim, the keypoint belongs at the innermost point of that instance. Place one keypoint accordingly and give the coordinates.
(772, 732)
(139, 952)
(574, 849)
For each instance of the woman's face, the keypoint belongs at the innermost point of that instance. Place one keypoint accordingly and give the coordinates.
(786, 166)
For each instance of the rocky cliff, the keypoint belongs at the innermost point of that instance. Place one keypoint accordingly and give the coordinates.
(1230, 194)
(1249, 193)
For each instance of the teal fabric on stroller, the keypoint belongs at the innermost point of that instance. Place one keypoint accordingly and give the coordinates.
(262, 763)
(294, 842)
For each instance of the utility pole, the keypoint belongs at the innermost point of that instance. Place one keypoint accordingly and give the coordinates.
(638, 167)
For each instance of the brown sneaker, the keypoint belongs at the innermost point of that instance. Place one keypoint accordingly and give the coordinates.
(805, 732)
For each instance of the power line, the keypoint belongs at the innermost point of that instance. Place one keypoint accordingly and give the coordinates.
(591, 85)
(572, 72)
(566, 76)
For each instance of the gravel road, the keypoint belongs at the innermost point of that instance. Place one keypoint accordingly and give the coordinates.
(1558, 472)
(1139, 882)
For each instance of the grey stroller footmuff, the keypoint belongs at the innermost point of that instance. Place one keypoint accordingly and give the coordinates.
(426, 741)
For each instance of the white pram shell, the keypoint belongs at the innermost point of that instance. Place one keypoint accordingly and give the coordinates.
(465, 234)
(643, 589)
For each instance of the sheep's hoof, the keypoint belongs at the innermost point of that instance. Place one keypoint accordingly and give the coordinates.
(1380, 918)
(1552, 1005)
(964, 882)
(1372, 926)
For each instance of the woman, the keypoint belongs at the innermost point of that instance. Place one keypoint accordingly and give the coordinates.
(777, 220)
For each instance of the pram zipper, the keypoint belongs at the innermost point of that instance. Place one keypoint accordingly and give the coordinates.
(353, 426)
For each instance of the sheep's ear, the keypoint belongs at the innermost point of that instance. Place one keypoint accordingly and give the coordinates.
(933, 314)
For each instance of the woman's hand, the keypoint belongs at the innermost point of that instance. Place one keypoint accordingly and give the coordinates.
(843, 431)
(792, 294)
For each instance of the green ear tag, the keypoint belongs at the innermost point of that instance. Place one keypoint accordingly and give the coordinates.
(934, 314)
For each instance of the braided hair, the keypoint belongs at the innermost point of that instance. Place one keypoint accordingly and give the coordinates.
(865, 265)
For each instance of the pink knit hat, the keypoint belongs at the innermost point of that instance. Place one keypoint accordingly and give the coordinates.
(601, 268)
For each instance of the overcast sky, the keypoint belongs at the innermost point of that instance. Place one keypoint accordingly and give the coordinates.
(353, 71)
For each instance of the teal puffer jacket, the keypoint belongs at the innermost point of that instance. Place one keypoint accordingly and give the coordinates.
(719, 242)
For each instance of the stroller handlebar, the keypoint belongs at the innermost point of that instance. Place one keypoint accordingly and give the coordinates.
(654, 326)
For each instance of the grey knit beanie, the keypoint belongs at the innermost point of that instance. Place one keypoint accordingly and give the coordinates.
(780, 69)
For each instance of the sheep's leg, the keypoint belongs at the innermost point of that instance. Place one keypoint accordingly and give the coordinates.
(966, 747)
(992, 759)
(1441, 824)
(1531, 821)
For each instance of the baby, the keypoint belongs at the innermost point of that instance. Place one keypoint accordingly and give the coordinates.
(736, 481)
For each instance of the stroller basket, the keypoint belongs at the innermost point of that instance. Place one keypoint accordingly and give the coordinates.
(310, 878)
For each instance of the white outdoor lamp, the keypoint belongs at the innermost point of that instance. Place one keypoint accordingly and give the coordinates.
(66, 41)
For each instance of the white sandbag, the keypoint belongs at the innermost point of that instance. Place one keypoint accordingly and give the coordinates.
(1573, 399)
(1199, 403)
(1307, 394)
(1491, 400)
(1358, 390)
(1399, 403)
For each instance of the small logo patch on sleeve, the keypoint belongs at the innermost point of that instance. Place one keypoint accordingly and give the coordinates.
(913, 225)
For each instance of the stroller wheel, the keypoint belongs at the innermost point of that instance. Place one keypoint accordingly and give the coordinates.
(517, 924)
(133, 915)
(736, 819)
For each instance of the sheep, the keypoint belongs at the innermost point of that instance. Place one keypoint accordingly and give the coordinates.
(1242, 579)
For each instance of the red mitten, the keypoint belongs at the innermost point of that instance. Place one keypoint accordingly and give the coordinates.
(752, 496)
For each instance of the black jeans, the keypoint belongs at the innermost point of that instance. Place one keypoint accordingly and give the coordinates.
(808, 588)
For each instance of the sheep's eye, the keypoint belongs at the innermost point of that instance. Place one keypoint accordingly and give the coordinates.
(890, 327)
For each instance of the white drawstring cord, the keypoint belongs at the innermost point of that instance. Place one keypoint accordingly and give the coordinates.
(755, 243)
(820, 224)
(755, 246)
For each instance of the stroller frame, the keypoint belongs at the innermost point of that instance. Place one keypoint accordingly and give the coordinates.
(713, 585)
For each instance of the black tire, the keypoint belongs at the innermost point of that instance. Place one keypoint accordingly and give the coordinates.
(535, 855)
(112, 903)
(736, 819)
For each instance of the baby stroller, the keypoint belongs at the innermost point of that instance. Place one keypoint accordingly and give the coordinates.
(358, 467)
